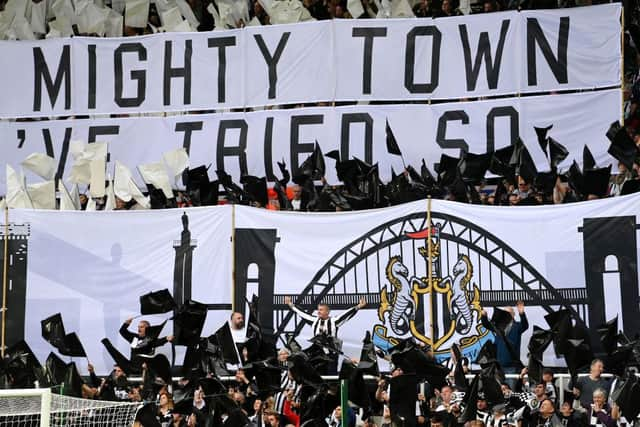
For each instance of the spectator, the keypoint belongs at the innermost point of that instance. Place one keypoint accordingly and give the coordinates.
(508, 345)
(586, 386)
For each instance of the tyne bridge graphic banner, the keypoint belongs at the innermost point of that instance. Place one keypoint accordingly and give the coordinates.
(92, 267)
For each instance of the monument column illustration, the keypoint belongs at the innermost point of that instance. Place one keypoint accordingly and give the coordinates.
(183, 264)
(17, 240)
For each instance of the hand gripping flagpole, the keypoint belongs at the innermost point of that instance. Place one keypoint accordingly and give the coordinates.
(5, 278)
(622, 81)
(430, 274)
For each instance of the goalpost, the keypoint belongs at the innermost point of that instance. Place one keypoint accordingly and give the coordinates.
(41, 408)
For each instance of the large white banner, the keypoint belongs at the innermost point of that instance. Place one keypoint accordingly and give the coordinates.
(252, 143)
(93, 267)
(581, 256)
(340, 60)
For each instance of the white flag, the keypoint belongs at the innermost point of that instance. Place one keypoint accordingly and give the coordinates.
(76, 148)
(80, 172)
(136, 13)
(17, 196)
(38, 17)
(40, 164)
(95, 150)
(182, 27)
(113, 25)
(91, 205)
(75, 196)
(355, 8)
(98, 175)
(188, 14)
(171, 18)
(125, 188)
(110, 203)
(21, 28)
(43, 195)
(177, 160)
(92, 19)
(66, 202)
(156, 175)
(401, 9)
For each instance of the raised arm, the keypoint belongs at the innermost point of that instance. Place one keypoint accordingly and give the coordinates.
(524, 323)
(303, 314)
(124, 331)
(342, 318)
(485, 321)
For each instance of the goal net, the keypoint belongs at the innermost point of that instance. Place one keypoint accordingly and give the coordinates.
(40, 407)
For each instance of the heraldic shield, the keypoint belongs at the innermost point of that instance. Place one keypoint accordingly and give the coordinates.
(437, 313)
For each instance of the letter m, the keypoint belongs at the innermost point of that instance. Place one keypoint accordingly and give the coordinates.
(41, 73)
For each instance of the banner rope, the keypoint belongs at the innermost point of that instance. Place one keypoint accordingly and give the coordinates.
(5, 278)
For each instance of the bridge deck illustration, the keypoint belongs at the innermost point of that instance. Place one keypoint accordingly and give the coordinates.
(357, 270)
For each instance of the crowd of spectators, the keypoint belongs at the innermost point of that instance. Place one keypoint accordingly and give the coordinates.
(205, 15)
(237, 377)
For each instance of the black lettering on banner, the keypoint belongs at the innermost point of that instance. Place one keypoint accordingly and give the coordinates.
(171, 72)
(441, 135)
(93, 75)
(95, 131)
(41, 72)
(484, 51)
(410, 59)
(239, 150)
(272, 61)
(368, 33)
(188, 128)
(222, 43)
(345, 135)
(139, 75)
(297, 148)
(514, 125)
(557, 63)
(268, 150)
(48, 145)
(21, 135)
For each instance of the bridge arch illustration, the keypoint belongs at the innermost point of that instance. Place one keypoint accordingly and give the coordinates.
(355, 271)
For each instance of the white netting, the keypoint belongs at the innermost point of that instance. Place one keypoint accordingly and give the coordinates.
(27, 411)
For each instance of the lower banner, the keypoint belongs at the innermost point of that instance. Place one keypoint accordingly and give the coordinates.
(93, 266)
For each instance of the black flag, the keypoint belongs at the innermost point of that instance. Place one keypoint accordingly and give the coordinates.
(392, 144)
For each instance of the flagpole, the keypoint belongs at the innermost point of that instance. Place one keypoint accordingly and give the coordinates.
(430, 274)
(622, 67)
(233, 258)
(5, 279)
(344, 402)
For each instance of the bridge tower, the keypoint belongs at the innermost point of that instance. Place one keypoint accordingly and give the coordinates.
(610, 246)
(256, 248)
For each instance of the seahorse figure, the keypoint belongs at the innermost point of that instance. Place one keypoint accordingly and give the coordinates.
(460, 306)
(400, 303)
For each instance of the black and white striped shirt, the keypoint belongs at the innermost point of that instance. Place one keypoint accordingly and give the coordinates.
(328, 326)
(286, 383)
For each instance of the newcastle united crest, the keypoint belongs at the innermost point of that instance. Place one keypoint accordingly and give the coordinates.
(407, 301)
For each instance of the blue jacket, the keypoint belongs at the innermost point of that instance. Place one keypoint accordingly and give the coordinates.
(514, 336)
